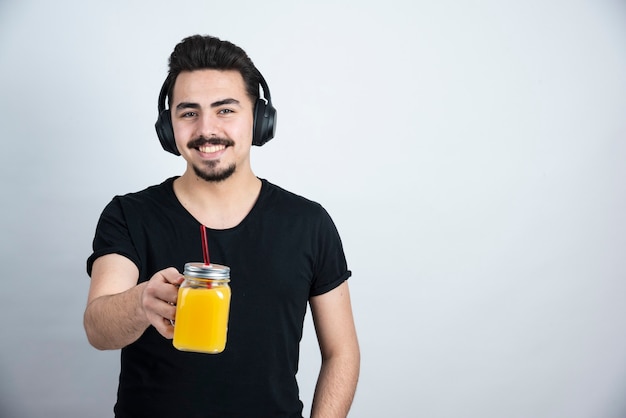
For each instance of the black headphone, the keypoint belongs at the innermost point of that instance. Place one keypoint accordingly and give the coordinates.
(264, 119)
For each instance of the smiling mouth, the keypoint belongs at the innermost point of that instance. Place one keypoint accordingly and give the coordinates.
(210, 146)
(209, 149)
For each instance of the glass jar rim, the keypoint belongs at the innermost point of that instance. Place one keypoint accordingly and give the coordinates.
(207, 271)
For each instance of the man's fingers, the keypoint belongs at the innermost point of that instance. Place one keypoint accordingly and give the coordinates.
(159, 300)
(163, 319)
(172, 276)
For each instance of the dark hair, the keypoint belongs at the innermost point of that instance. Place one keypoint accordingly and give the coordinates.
(199, 52)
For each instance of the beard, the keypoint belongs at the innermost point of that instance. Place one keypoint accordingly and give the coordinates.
(209, 171)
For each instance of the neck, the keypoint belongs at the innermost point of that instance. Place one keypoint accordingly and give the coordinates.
(218, 205)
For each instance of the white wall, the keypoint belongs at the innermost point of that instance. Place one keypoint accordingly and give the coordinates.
(471, 153)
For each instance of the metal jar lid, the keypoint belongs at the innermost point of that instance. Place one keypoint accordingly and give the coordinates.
(204, 271)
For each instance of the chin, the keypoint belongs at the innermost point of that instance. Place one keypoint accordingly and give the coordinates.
(213, 175)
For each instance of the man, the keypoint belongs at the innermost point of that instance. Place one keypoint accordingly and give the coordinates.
(283, 250)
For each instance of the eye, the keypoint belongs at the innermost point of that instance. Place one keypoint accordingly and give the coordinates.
(188, 115)
(226, 111)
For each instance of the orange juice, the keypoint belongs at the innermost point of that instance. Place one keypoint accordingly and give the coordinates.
(202, 309)
(202, 319)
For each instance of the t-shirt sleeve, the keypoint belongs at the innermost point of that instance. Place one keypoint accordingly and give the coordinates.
(112, 235)
(331, 268)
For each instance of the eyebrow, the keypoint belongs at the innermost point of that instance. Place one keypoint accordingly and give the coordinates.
(225, 102)
(191, 105)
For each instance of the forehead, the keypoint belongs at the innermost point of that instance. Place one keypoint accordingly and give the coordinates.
(208, 84)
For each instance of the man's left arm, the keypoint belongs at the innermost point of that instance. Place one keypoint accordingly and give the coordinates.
(336, 334)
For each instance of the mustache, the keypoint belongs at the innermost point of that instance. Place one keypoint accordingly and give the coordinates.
(203, 140)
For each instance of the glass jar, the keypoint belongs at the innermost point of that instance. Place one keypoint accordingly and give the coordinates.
(202, 309)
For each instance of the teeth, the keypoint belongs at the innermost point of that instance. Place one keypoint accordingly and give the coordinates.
(211, 148)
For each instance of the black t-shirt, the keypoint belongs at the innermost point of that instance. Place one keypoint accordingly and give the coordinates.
(286, 250)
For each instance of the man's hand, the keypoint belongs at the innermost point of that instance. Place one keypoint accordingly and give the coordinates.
(158, 300)
(119, 310)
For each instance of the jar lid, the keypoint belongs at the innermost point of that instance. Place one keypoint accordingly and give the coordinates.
(204, 271)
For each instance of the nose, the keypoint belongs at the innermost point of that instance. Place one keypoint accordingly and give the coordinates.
(208, 125)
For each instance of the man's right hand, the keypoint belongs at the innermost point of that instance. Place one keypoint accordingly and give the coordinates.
(158, 300)
(119, 310)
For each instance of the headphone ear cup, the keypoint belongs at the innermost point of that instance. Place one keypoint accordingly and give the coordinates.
(165, 132)
(264, 122)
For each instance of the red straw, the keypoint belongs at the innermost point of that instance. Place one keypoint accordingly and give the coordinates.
(205, 246)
